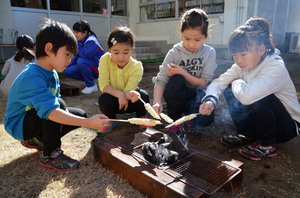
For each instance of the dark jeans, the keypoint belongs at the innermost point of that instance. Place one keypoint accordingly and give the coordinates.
(266, 120)
(48, 131)
(182, 99)
(109, 105)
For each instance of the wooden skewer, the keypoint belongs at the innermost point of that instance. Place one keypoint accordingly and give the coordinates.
(176, 123)
(119, 120)
(142, 100)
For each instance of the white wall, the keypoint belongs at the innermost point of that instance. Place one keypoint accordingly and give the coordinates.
(293, 24)
(220, 28)
(27, 22)
(6, 21)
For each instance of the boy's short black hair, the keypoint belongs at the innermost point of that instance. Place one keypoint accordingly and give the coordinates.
(56, 33)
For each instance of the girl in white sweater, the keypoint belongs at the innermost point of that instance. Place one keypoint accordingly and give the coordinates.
(260, 94)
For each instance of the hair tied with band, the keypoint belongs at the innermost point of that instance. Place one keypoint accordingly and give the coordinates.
(113, 41)
(252, 22)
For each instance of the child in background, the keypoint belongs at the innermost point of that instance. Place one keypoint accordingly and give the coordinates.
(84, 65)
(119, 77)
(260, 94)
(15, 65)
(186, 70)
(35, 113)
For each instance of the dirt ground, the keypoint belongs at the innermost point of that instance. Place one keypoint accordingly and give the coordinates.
(274, 177)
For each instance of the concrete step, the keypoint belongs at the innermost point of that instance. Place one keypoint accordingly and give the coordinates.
(142, 50)
(149, 49)
(150, 43)
(149, 56)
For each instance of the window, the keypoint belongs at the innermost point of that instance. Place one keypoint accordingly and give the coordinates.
(119, 7)
(213, 6)
(94, 6)
(65, 5)
(165, 10)
(41, 4)
(159, 9)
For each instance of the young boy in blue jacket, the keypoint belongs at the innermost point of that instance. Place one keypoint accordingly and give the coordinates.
(35, 113)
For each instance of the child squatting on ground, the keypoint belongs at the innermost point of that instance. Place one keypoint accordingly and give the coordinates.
(35, 113)
(84, 65)
(15, 65)
(260, 94)
(119, 77)
(186, 70)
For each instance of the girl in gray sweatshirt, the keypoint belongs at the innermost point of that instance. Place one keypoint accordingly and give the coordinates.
(260, 94)
(186, 70)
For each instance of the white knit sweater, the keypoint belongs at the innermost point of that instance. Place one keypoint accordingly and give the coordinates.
(268, 77)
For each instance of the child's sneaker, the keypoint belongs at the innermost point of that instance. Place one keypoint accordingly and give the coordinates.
(58, 161)
(144, 126)
(236, 140)
(256, 151)
(33, 143)
(108, 126)
(89, 90)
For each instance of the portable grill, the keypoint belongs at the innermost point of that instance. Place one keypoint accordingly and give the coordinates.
(192, 168)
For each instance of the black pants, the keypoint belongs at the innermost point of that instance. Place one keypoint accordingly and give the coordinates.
(109, 105)
(266, 120)
(181, 100)
(48, 131)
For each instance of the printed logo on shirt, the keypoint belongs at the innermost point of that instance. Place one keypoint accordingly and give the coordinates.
(192, 66)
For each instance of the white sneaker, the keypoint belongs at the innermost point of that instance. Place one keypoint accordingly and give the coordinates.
(89, 90)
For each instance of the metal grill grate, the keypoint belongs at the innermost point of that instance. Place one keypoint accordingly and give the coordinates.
(203, 172)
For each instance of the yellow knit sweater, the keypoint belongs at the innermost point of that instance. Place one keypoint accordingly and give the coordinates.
(124, 79)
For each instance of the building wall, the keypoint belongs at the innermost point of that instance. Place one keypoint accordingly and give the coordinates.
(221, 25)
(6, 22)
(293, 24)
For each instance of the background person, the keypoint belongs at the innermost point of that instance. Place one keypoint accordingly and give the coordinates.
(84, 65)
(15, 65)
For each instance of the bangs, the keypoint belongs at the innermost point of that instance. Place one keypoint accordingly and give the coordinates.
(77, 27)
(239, 42)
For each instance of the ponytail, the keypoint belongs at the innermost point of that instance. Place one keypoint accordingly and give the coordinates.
(25, 45)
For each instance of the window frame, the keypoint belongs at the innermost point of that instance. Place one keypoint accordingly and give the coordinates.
(156, 2)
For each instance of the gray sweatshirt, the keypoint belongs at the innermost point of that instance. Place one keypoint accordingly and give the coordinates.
(201, 63)
(268, 77)
(11, 70)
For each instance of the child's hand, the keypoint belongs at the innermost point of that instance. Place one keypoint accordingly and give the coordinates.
(123, 102)
(175, 69)
(206, 108)
(97, 121)
(133, 96)
(157, 107)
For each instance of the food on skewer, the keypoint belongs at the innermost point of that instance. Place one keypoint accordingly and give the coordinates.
(184, 119)
(151, 111)
(166, 118)
(144, 121)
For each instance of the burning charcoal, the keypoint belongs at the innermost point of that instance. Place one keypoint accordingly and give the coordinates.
(164, 139)
(158, 152)
(149, 149)
(169, 156)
